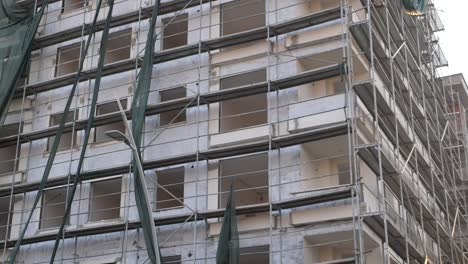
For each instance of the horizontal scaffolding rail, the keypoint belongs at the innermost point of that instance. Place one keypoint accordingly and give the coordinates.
(331, 194)
(131, 17)
(193, 49)
(217, 153)
(212, 97)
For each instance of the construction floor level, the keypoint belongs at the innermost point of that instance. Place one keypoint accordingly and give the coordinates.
(328, 117)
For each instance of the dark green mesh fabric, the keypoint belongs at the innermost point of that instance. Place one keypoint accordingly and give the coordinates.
(17, 29)
(54, 148)
(415, 7)
(139, 104)
(228, 243)
(17, 15)
(97, 84)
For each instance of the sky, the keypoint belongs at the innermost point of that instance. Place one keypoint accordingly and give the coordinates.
(454, 40)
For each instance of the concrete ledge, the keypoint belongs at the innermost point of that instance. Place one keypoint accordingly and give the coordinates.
(10, 178)
(239, 136)
(192, 49)
(253, 147)
(317, 121)
(249, 223)
(212, 97)
(317, 35)
(62, 36)
(323, 214)
(330, 195)
(254, 50)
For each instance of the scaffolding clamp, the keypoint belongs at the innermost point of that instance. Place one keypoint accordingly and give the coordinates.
(398, 50)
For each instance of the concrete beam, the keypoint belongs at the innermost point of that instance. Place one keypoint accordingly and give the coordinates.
(191, 49)
(76, 32)
(332, 194)
(212, 97)
(218, 153)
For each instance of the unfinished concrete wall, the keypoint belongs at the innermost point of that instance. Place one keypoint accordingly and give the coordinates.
(309, 234)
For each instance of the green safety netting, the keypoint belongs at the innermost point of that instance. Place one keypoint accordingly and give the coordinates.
(139, 104)
(54, 148)
(10, 12)
(89, 124)
(414, 7)
(228, 243)
(17, 29)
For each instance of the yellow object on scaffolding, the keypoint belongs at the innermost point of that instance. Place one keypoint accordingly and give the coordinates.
(427, 260)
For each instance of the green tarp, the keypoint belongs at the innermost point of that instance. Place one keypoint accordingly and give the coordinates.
(20, 17)
(97, 84)
(17, 29)
(139, 104)
(414, 7)
(228, 243)
(54, 148)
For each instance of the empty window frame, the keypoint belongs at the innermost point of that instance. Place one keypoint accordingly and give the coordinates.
(249, 177)
(244, 111)
(70, 5)
(238, 16)
(53, 208)
(172, 260)
(9, 130)
(173, 181)
(105, 109)
(118, 46)
(5, 218)
(325, 163)
(330, 248)
(68, 59)
(257, 255)
(68, 139)
(175, 31)
(169, 95)
(105, 200)
(8, 159)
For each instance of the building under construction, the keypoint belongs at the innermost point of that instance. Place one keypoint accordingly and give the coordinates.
(327, 118)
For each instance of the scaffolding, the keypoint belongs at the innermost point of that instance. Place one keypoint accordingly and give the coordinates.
(329, 119)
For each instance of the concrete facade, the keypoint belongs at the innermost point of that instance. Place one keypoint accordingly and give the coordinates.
(333, 131)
